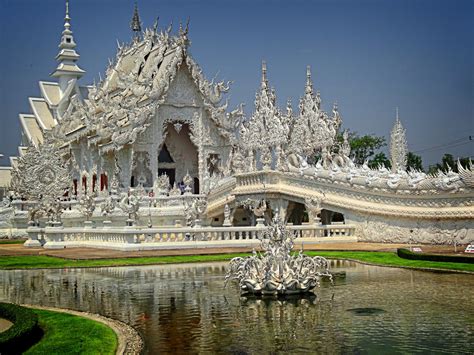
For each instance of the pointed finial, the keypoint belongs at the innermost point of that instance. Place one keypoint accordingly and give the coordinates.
(67, 24)
(67, 55)
(155, 25)
(396, 113)
(264, 74)
(186, 29)
(136, 24)
(309, 82)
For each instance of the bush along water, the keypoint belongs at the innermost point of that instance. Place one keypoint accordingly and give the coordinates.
(408, 254)
(23, 333)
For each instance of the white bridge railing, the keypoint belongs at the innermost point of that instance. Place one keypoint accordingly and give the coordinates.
(58, 237)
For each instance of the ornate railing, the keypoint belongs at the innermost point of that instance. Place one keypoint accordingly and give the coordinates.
(58, 237)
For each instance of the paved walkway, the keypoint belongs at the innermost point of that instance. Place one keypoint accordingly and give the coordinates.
(89, 253)
(5, 324)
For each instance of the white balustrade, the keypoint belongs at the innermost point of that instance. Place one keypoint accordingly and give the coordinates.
(59, 237)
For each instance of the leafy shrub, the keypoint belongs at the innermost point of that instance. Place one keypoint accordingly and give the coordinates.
(408, 254)
(23, 333)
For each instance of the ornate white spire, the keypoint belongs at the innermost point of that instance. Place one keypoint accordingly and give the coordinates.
(398, 145)
(265, 129)
(67, 67)
(136, 24)
(309, 81)
(264, 84)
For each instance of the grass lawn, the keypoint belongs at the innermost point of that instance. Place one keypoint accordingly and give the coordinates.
(69, 334)
(380, 258)
(42, 261)
(391, 259)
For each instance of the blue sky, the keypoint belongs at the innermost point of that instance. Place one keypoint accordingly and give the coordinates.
(370, 56)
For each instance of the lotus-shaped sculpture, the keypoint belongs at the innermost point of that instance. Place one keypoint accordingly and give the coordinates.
(277, 271)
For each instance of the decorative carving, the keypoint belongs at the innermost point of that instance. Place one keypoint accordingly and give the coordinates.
(193, 211)
(398, 146)
(108, 206)
(187, 180)
(162, 185)
(313, 207)
(130, 204)
(227, 216)
(87, 205)
(276, 271)
(42, 176)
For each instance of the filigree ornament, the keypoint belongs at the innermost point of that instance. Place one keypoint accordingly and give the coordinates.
(130, 204)
(313, 207)
(162, 184)
(398, 146)
(194, 210)
(42, 176)
(276, 271)
(177, 126)
(87, 205)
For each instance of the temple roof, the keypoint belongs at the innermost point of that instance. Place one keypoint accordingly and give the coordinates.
(135, 85)
(5, 176)
(42, 113)
(31, 128)
(50, 91)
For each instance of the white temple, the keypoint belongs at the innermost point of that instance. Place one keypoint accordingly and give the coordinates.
(153, 148)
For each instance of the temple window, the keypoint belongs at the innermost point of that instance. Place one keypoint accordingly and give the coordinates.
(75, 186)
(104, 183)
(94, 182)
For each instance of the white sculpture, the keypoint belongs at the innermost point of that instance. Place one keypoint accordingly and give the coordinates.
(276, 271)
(398, 146)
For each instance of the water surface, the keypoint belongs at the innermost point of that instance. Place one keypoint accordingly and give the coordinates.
(185, 309)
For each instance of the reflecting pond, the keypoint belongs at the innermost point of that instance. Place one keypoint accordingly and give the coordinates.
(185, 309)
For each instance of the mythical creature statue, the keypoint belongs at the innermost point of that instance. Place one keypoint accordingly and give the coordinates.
(162, 184)
(313, 207)
(187, 180)
(227, 216)
(277, 271)
(194, 210)
(130, 204)
(87, 205)
(258, 208)
(108, 206)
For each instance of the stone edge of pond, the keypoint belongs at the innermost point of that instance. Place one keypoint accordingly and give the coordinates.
(129, 340)
(419, 268)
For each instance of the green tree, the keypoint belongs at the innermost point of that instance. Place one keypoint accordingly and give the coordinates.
(414, 162)
(378, 160)
(448, 162)
(365, 147)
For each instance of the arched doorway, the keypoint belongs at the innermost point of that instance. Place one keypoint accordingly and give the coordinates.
(178, 155)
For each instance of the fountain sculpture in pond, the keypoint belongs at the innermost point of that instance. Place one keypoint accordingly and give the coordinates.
(276, 271)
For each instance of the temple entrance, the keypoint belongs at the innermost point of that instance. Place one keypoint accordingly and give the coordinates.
(178, 156)
(171, 174)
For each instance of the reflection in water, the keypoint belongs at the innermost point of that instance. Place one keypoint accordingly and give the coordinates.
(184, 308)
